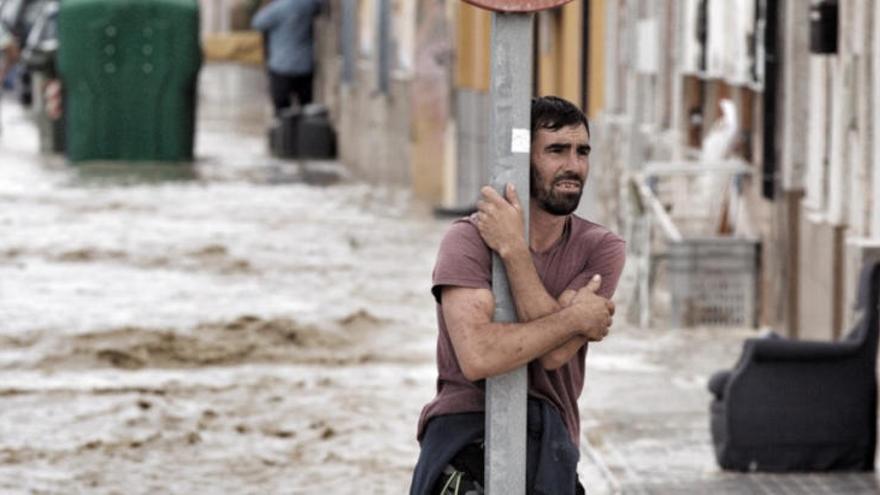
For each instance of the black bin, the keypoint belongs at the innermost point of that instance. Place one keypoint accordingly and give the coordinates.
(282, 134)
(303, 133)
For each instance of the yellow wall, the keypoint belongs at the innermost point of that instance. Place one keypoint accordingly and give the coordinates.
(571, 70)
(596, 59)
(547, 60)
(473, 34)
(559, 65)
(559, 42)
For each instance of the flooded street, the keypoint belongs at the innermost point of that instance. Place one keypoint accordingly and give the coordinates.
(255, 326)
(246, 324)
(238, 329)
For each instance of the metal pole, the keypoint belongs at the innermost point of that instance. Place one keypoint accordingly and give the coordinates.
(384, 46)
(509, 142)
(349, 40)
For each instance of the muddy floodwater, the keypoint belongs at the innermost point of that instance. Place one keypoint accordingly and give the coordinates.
(245, 326)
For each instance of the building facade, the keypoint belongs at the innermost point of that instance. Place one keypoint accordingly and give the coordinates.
(774, 85)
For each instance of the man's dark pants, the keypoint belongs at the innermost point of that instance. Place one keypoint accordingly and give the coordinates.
(283, 87)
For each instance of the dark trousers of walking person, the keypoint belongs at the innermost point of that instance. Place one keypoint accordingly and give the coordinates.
(284, 88)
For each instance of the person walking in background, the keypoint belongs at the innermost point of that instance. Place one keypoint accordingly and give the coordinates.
(287, 25)
(8, 52)
(8, 55)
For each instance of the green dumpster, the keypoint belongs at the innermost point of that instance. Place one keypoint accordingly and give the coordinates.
(130, 69)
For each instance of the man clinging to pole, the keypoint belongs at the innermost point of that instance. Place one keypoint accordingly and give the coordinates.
(561, 282)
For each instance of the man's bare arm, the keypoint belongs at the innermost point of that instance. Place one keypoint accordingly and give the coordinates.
(485, 348)
(532, 301)
(500, 224)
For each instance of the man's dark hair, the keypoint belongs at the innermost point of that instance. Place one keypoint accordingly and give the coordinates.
(554, 113)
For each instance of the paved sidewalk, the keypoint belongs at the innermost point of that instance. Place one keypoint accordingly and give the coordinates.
(646, 422)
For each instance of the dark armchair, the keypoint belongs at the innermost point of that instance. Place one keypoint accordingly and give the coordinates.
(802, 406)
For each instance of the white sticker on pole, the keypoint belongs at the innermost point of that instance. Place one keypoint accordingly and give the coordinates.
(520, 141)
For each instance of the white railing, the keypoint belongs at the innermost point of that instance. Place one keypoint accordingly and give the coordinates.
(649, 210)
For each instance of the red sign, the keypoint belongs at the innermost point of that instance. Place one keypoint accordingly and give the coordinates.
(517, 5)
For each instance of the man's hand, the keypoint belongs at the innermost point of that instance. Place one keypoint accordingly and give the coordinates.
(500, 220)
(596, 311)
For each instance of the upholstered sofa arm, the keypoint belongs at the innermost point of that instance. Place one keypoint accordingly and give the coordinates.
(795, 350)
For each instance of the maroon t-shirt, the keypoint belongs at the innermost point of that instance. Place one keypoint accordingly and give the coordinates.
(464, 260)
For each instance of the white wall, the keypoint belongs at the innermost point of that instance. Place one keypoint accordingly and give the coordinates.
(215, 15)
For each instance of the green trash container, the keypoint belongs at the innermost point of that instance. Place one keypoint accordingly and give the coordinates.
(130, 69)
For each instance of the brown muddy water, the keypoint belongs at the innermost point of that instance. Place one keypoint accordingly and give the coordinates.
(240, 329)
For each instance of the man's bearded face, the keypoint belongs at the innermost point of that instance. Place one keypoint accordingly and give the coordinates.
(559, 168)
(560, 196)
